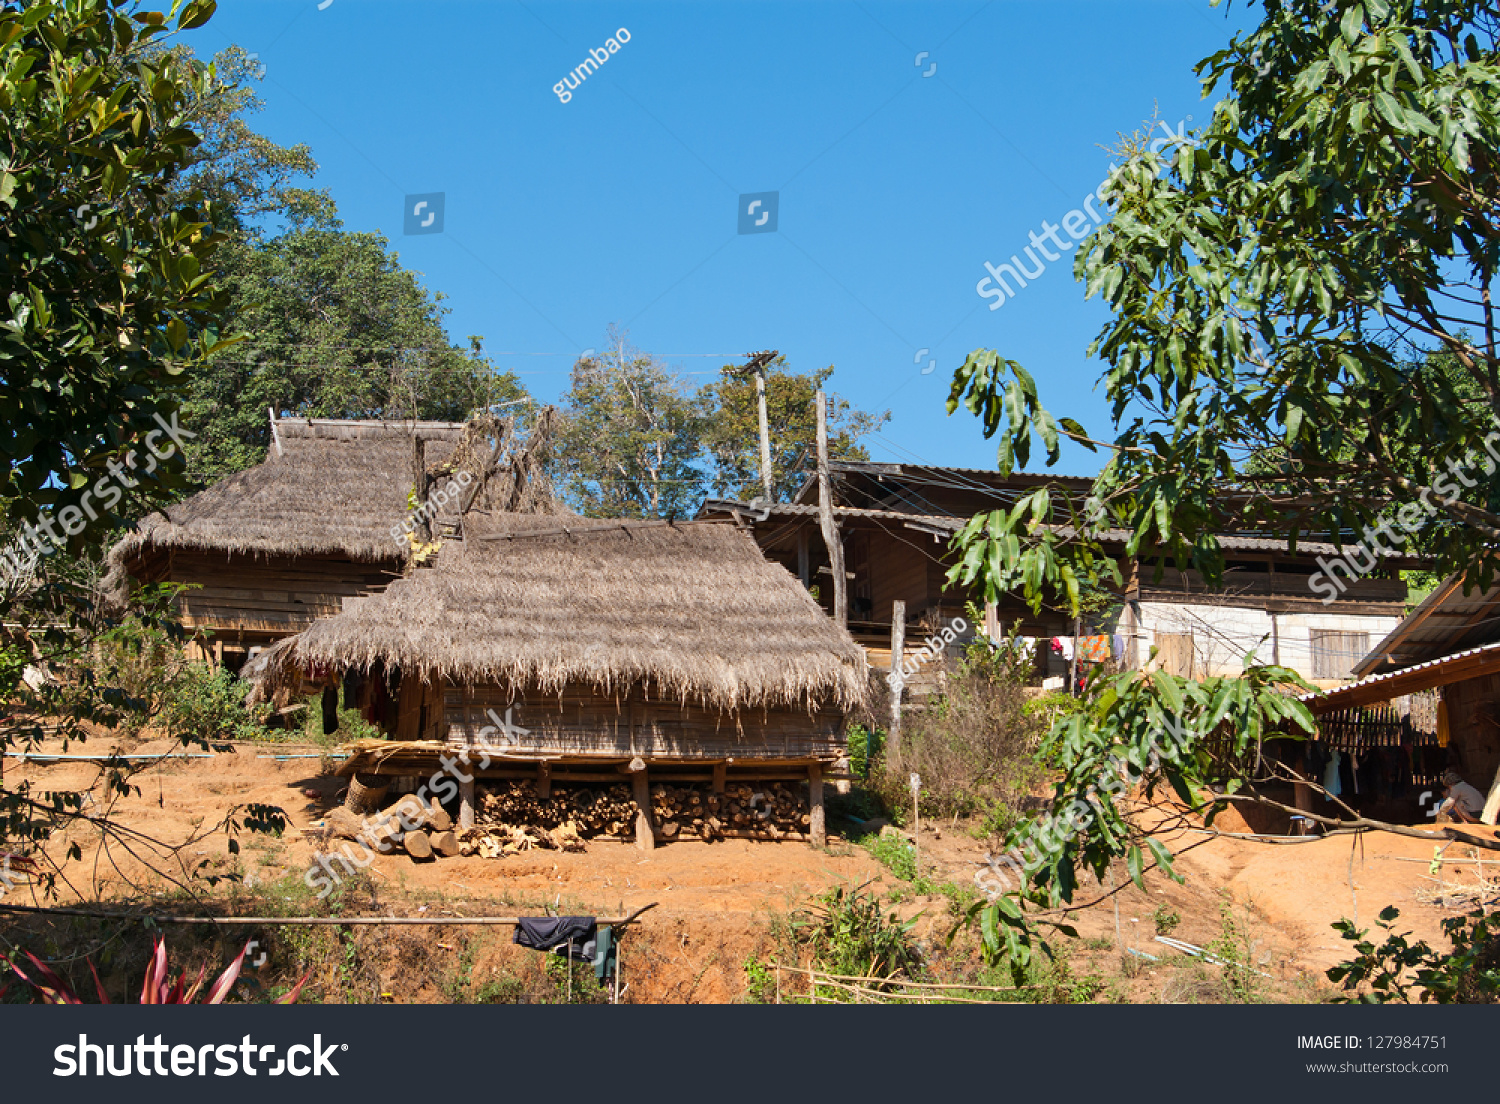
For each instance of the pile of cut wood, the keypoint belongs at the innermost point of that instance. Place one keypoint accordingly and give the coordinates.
(591, 810)
(494, 841)
(512, 818)
(768, 810)
(423, 831)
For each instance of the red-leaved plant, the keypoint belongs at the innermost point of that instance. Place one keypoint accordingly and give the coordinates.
(158, 989)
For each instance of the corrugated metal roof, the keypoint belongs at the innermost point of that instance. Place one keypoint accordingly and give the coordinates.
(1432, 666)
(1446, 619)
(948, 521)
(795, 509)
(877, 467)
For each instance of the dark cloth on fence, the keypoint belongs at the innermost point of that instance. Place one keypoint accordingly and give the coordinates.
(553, 933)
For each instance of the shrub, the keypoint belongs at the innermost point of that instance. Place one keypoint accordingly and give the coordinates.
(1397, 970)
(974, 746)
(848, 934)
(209, 703)
(187, 698)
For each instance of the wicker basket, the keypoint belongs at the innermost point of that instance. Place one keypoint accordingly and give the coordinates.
(366, 792)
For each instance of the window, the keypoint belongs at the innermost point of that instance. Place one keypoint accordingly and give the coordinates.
(1335, 653)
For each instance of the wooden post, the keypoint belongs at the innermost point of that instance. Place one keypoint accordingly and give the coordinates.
(1492, 802)
(543, 780)
(765, 430)
(466, 803)
(721, 775)
(1073, 663)
(419, 483)
(645, 832)
(992, 627)
(898, 675)
(804, 559)
(817, 835)
(830, 527)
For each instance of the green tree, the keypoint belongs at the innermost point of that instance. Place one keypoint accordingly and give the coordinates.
(104, 263)
(334, 327)
(632, 437)
(731, 435)
(250, 180)
(110, 302)
(1293, 283)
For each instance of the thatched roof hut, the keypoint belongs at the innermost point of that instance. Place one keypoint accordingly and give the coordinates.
(272, 548)
(691, 611)
(609, 646)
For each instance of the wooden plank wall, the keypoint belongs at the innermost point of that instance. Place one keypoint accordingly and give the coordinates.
(899, 572)
(1174, 584)
(583, 722)
(1474, 727)
(271, 597)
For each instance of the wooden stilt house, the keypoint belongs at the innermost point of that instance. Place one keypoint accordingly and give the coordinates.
(271, 549)
(600, 650)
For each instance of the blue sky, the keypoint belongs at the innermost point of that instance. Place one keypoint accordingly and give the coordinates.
(620, 206)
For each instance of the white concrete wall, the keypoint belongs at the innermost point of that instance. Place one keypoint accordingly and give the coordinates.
(1224, 635)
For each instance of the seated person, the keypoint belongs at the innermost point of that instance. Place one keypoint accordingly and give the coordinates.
(1463, 802)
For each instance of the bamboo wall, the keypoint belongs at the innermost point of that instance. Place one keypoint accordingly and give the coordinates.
(584, 723)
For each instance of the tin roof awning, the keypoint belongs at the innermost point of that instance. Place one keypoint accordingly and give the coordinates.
(1484, 660)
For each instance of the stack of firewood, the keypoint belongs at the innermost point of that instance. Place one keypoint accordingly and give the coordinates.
(423, 831)
(592, 811)
(768, 810)
(512, 818)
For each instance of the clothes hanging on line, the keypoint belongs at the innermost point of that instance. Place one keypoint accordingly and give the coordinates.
(577, 936)
(1331, 777)
(557, 933)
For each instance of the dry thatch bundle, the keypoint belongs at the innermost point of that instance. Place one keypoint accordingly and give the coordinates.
(692, 611)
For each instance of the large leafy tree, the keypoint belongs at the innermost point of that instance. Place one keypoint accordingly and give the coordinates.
(104, 260)
(110, 301)
(1309, 284)
(328, 322)
(731, 436)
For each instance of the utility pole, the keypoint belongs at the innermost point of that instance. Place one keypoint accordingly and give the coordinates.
(757, 367)
(830, 527)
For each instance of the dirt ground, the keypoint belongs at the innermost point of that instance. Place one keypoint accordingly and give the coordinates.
(715, 902)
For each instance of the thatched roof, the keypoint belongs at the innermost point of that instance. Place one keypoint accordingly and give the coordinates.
(692, 610)
(325, 488)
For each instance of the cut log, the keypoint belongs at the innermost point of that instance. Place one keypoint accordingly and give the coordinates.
(438, 819)
(418, 845)
(445, 844)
